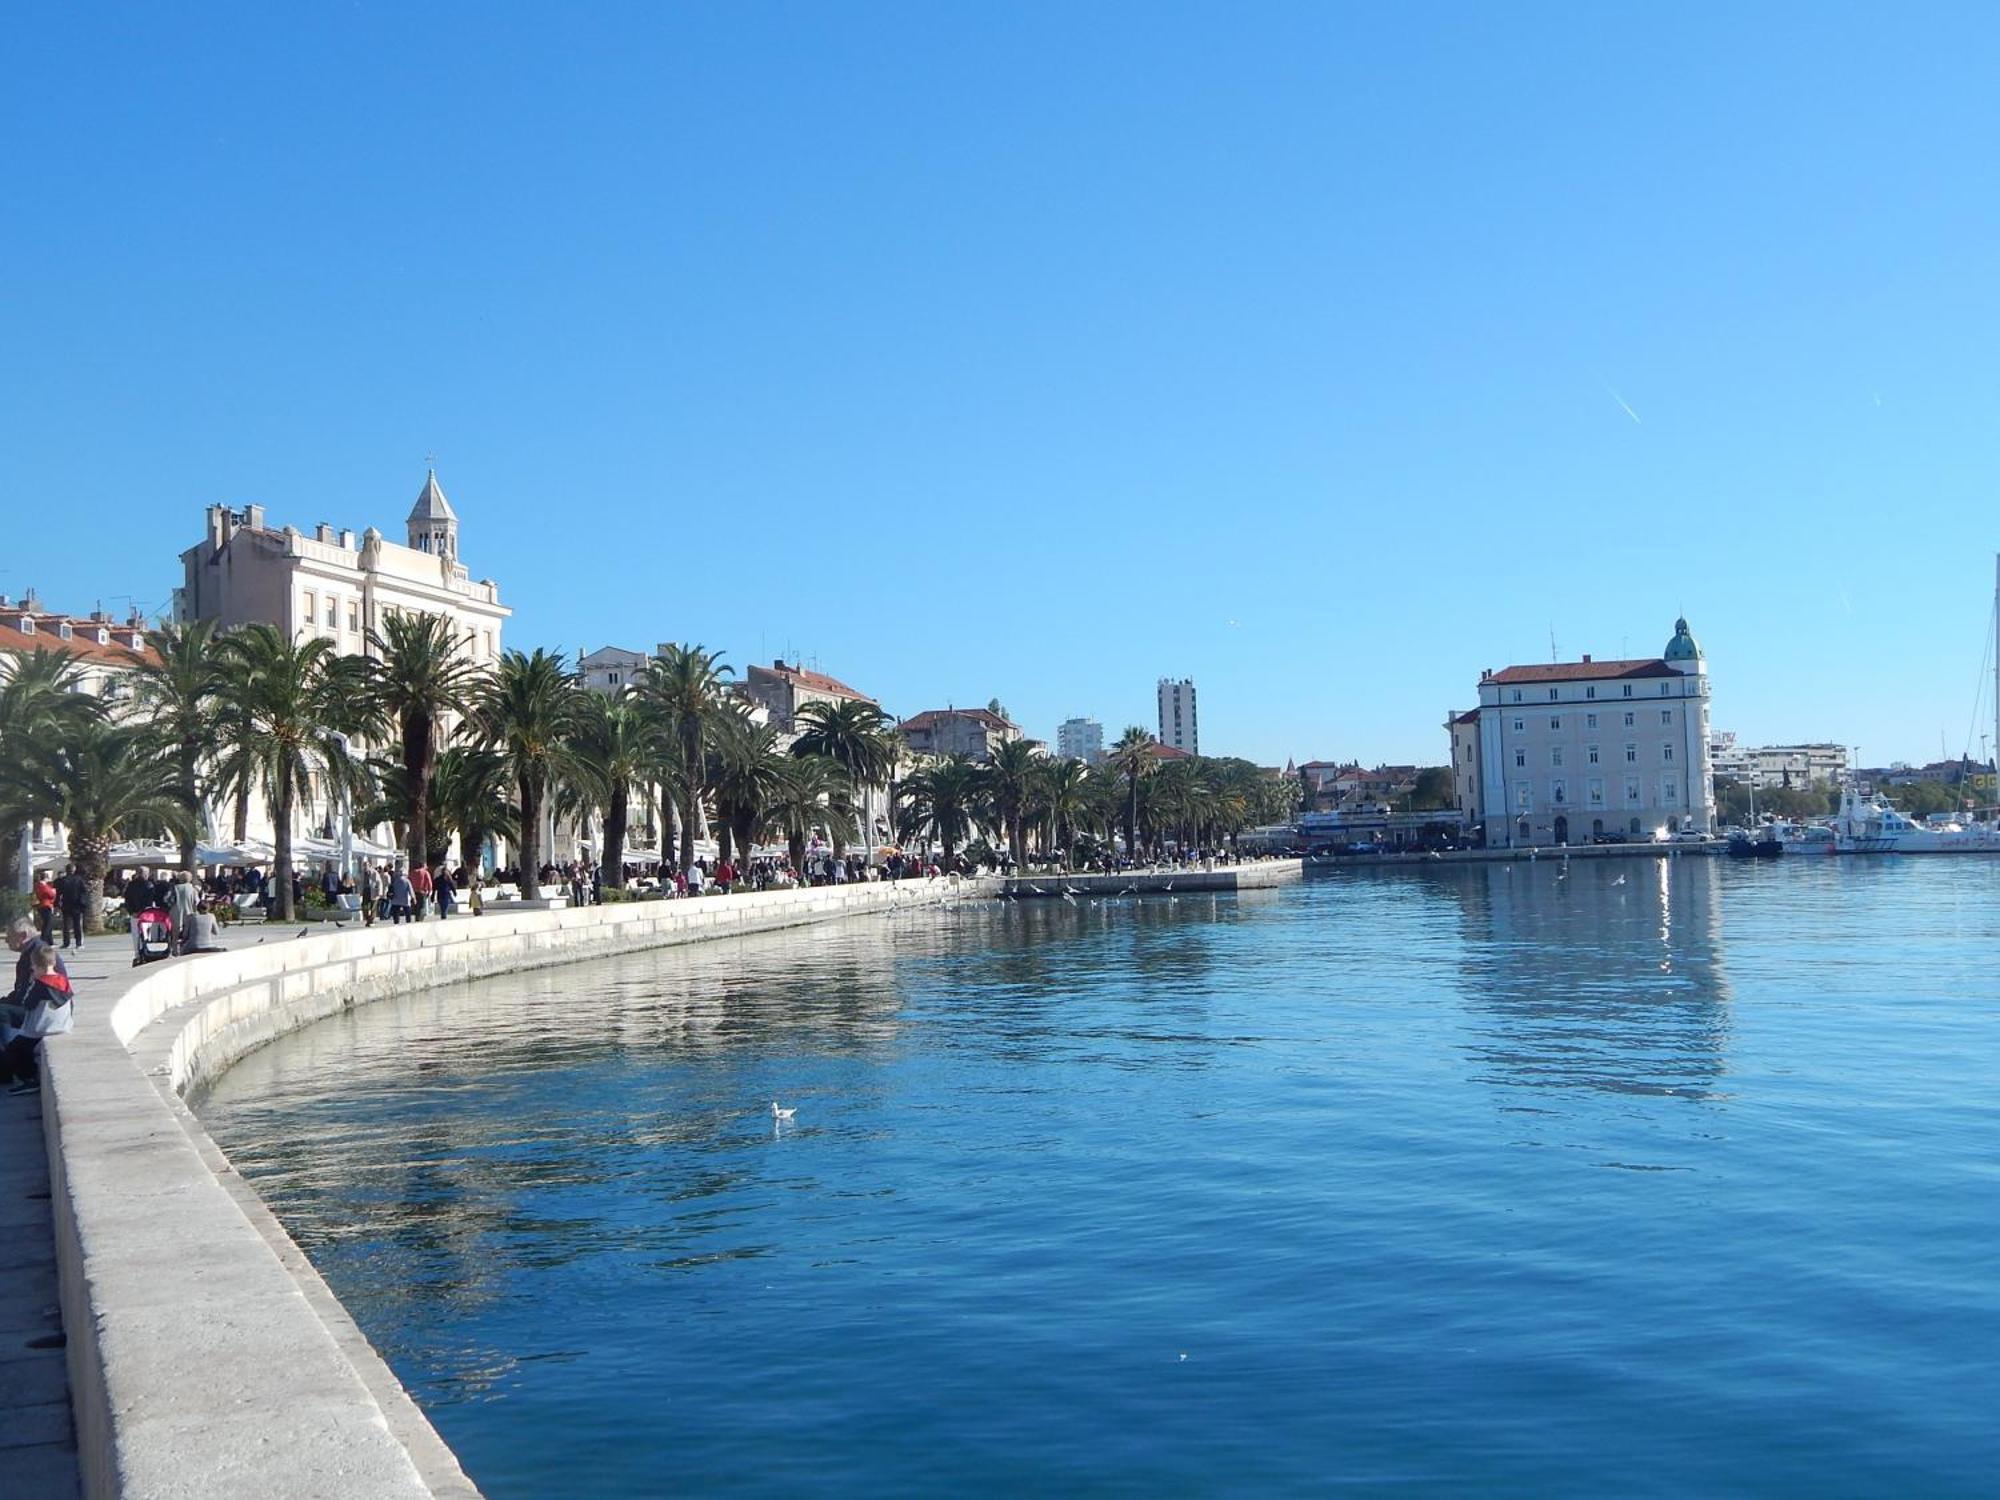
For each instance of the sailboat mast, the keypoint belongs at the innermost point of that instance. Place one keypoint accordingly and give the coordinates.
(1996, 676)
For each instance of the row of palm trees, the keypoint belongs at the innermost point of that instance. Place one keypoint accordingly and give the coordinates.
(481, 752)
(1051, 810)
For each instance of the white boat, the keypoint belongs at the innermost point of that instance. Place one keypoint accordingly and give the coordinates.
(1804, 838)
(1866, 824)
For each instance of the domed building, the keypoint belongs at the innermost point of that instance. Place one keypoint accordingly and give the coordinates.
(1567, 753)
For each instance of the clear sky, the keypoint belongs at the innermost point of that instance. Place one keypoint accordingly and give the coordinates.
(1325, 353)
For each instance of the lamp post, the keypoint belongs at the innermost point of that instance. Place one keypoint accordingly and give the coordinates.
(346, 814)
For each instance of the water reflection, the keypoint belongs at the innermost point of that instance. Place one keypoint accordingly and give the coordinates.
(1595, 973)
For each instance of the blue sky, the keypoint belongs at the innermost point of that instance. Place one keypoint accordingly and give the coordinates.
(1324, 353)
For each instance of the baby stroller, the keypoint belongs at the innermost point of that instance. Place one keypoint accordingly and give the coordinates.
(152, 936)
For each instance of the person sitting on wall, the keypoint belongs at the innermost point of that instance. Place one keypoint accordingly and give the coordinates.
(204, 933)
(37, 1006)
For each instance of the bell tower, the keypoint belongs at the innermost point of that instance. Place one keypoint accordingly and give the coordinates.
(433, 523)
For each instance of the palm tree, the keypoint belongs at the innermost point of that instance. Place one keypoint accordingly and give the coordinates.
(1010, 781)
(857, 735)
(421, 674)
(528, 710)
(178, 690)
(1066, 802)
(683, 685)
(941, 800)
(1133, 758)
(618, 744)
(115, 781)
(746, 766)
(809, 793)
(41, 705)
(471, 796)
(294, 704)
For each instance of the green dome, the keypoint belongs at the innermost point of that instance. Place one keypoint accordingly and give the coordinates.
(1683, 647)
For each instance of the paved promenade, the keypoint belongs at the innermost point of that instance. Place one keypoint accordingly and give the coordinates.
(37, 1437)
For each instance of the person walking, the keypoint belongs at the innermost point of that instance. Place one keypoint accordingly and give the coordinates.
(446, 892)
(371, 894)
(72, 896)
(401, 896)
(420, 888)
(45, 905)
(183, 896)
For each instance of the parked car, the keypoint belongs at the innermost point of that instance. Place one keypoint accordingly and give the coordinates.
(1607, 838)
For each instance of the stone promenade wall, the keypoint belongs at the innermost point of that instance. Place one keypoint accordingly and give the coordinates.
(1255, 875)
(206, 1358)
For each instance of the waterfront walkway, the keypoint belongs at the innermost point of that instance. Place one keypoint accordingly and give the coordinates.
(37, 1435)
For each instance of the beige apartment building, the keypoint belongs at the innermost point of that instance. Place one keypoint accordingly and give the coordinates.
(332, 584)
(1571, 751)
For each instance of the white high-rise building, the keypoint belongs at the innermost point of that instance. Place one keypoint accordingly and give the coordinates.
(1571, 751)
(1178, 726)
(1080, 739)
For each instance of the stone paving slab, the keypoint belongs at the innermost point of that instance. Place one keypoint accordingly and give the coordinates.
(37, 1443)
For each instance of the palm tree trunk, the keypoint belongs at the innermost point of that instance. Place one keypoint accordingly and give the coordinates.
(93, 860)
(417, 770)
(615, 817)
(531, 840)
(281, 864)
(193, 790)
(795, 845)
(242, 829)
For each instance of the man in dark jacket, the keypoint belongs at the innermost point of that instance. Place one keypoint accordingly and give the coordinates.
(72, 899)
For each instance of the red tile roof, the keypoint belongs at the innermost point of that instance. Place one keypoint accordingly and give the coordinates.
(82, 644)
(1585, 671)
(1167, 752)
(1470, 716)
(814, 682)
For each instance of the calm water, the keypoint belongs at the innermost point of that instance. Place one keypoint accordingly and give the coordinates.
(1658, 1178)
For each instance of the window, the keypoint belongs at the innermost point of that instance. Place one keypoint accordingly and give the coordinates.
(1520, 760)
(1596, 791)
(62, 629)
(1628, 721)
(489, 643)
(332, 613)
(1632, 793)
(1666, 751)
(1590, 753)
(1524, 796)
(1666, 688)
(1517, 695)
(354, 619)
(1635, 826)
(1552, 695)
(1558, 790)
(1666, 716)
(1667, 794)
(1590, 721)
(1555, 723)
(1631, 755)
(1590, 692)
(612, 678)
(1628, 689)
(312, 608)
(1519, 725)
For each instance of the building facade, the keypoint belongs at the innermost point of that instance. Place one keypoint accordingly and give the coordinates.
(334, 585)
(1465, 769)
(339, 587)
(103, 652)
(1179, 726)
(611, 669)
(1572, 751)
(974, 732)
(1778, 765)
(1080, 739)
(784, 690)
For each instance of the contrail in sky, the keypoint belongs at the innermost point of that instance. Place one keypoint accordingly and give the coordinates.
(1621, 401)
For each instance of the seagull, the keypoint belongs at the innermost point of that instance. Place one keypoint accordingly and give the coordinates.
(1619, 881)
(1038, 890)
(305, 932)
(781, 1114)
(1170, 885)
(1069, 897)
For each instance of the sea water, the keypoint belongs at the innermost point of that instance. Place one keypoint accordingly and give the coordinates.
(1624, 1176)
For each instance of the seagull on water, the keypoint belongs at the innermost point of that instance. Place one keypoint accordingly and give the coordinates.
(778, 1113)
